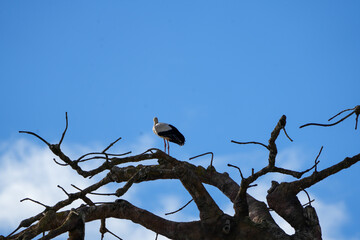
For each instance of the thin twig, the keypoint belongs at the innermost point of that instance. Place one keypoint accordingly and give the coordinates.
(340, 113)
(230, 165)
(180, 208)
(319, 153)
(150, 150)
(102, 194)
(76, 187)
(212, 157)
(113, 234)
(327, 125)
(259, 143)
(104, 230)
(315, 165)
(242, 177)
(32, 200)
(287, 135)
(111, 144)
(316, 159)
(357, 112)
(63, 190)
(34, 134)
(61, 164)
(66, 127)
(80, 159)
(310, 201)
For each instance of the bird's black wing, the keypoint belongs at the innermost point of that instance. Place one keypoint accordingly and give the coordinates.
(173, 135)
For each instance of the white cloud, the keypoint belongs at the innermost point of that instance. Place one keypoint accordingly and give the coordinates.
(332, 217)
(28, 171)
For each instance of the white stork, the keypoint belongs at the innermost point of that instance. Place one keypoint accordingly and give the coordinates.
(168, 133)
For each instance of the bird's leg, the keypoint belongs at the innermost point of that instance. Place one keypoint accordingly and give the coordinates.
(164, 145)
(168, 146)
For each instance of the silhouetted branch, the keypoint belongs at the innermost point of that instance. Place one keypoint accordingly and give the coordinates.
(317, 157)
(320, 175)
(61, 164)
(34, 134)
(66, 127)
(310, 201)
(180, 208)
(230, 165)
(287, 134)
(281, 197)
(297, 174)
(32, 200)
(340, 113)
(356, 110)
(212, 157)
(111, 144)
(63, 190)
(107, 155)
(104, 230)
(327, 125)
(259, 143)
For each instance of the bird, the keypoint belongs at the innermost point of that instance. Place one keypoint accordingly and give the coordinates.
(169, 133)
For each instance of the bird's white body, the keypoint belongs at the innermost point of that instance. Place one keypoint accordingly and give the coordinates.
(161, 127)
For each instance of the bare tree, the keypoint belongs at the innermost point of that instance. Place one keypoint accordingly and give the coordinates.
(252, 218)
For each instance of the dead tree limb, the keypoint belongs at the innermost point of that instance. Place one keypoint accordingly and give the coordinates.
(252, 218)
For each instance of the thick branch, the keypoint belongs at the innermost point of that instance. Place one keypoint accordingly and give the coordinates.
(318, 176)
(209, 210)
(258, 211)
(274, 135)
(282, 197)
(63, 221)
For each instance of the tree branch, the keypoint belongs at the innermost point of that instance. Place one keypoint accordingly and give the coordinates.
(209, 210)
(180, 208)
(318, 176)
(66, 127)
(259, 143)
(34, 134)
(356, 110)
(212, 157)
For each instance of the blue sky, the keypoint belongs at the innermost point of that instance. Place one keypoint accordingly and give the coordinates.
(216, 70)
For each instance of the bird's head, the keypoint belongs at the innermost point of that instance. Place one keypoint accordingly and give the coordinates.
(155, 120)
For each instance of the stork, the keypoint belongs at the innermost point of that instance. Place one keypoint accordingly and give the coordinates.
(169, 133)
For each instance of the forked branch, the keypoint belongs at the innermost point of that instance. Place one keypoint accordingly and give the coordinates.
(355, 110)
